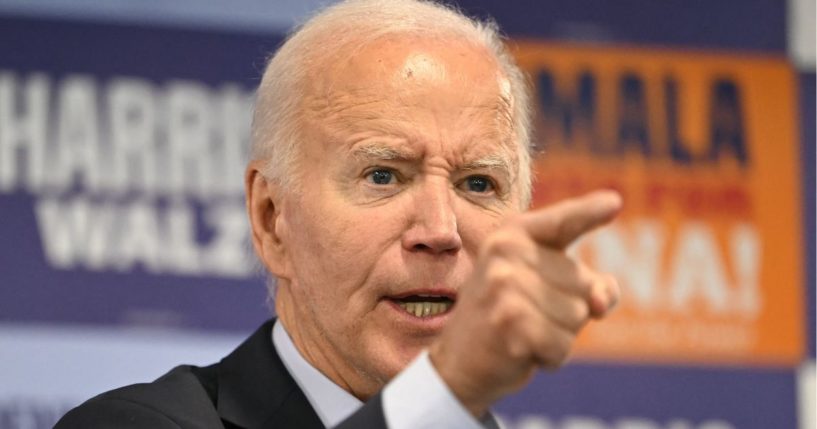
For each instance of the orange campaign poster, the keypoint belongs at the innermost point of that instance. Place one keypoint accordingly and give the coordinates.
(703, 147)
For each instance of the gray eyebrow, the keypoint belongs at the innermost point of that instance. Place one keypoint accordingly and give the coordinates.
(386, 153)
(491, 162)
(379, 152)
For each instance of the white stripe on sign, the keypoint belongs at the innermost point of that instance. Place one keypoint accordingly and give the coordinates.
(59, 363)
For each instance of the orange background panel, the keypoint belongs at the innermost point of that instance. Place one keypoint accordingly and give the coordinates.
(708, 253)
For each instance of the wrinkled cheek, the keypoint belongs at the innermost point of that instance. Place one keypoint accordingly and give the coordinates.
(345, 252)
(332, 279)
(321, 247)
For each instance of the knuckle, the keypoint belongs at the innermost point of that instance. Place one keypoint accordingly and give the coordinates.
(500, 277)
(517, 348)
(586, 278)
(555, 350)
(505, 242)
(580, 314)
(507, 314)
(571, 314)
(495, 245)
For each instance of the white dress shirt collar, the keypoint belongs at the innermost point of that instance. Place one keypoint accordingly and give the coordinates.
(330, 401)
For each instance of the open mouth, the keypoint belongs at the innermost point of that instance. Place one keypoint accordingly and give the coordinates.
(425, 305)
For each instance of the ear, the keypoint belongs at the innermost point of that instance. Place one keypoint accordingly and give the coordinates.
(264, 206)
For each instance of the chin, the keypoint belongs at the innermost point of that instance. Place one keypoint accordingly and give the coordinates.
(401, 353)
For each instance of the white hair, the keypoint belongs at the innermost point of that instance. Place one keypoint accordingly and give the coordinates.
(353, 23)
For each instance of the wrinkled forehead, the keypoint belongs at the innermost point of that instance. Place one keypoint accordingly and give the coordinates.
(433, 95)
(449, 94)
(400, 62)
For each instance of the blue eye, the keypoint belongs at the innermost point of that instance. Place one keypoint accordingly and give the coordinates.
(381, 177)
(480, 184)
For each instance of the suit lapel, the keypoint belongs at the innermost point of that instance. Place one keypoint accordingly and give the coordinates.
(490, 422)
(256, 391)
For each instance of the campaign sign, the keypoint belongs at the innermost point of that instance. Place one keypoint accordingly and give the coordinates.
(647, 397)
(122, 153)
(703, 147)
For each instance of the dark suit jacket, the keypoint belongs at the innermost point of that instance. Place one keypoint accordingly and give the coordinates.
(250, 388)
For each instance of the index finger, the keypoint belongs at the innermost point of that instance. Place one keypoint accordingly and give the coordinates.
(558, 225)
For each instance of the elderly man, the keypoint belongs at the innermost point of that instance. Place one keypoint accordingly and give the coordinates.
(386, 194)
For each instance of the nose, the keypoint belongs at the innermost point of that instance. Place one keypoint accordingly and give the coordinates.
(434, 225)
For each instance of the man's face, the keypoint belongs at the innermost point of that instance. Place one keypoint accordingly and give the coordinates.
(407, 163)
